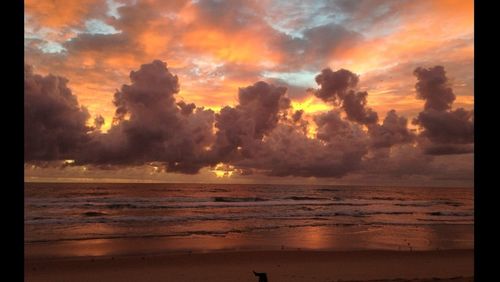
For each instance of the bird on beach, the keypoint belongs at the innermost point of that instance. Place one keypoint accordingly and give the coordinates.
(262, 276)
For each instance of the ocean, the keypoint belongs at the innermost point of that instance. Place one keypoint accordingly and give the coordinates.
(76, 219)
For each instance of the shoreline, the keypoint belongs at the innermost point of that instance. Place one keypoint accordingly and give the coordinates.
(319, 238)
(283, 265)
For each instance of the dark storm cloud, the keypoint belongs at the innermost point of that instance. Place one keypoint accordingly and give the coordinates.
(354, 105)
(332, 126)
(335, 84)
(54, 124)
(256, 114)
(150, 96)
(453, 149)
(433, 87)
(446, 129)
(347, 142)
(186, 109)
(261, 103)
(337, 87)
(151, 127)
(394, 130)
(288, 152)
(454, 127)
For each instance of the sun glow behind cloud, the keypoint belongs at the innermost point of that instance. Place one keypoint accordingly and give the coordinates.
(215, 48)
(222, 170)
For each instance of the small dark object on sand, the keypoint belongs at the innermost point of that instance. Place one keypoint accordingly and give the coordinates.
(262, 276)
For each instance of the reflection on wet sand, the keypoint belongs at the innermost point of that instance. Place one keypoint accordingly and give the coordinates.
(418, 238)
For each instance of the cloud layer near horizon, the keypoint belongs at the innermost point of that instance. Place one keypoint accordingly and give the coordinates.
(261, 134)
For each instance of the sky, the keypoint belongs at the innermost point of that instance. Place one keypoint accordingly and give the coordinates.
(323, 92)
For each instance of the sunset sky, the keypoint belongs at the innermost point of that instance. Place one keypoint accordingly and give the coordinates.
(102, 100)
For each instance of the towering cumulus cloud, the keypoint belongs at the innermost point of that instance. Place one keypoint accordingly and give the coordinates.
(354, 106)
(394, 130)
(338, 88)
(335, 84)
(244, 126)
(446, 131)
(54, 124)
(433, 87)
(149, 126)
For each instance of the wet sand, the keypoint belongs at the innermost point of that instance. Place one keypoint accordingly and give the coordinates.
(285, 265)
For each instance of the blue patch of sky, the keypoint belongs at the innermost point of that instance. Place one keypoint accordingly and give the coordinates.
(92, 26)
(95, 26)
(299, 78)
(39, 35)
(51, 47)
(113, 8)
(294, 17)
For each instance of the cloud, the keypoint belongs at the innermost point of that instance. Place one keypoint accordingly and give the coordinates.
(447, 130)
(337, 87)
(286, 151)
(332, 129)
(334, 84)
(455, 127)
(112, 43)
(186, 109)
(321, 41)
(400, 160)
(149, 125)
(261, 134)
(54, 123)
(232, 15)
(354, 106)
(60, 13)
(449, 149)
(215, 47)
(433, 87)
(256, 114)
(393, 131)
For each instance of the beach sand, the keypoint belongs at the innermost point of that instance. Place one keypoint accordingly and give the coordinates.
(280, 266)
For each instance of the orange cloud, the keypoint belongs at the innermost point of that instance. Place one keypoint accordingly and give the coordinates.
(177, 32)
(60, 13)
(426, 27)
(246, 47)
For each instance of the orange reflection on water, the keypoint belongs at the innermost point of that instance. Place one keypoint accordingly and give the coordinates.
(311, 237)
